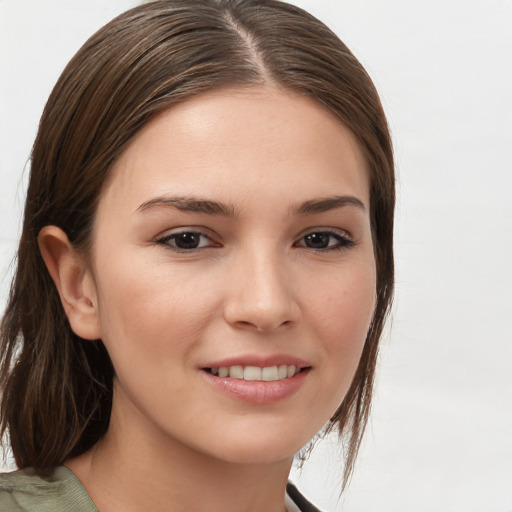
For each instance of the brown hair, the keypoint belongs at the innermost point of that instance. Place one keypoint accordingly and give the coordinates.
(57, 387)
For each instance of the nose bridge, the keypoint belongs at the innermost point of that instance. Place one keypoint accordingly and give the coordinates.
(262, 294)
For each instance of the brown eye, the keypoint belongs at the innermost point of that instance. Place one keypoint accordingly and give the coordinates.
(317, 240)
(325, 240)
(187, 241)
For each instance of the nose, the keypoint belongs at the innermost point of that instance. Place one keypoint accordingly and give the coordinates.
(261, 295)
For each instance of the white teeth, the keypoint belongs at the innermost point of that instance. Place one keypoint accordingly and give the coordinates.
(236, 372)
(266, 374)
(252, 373)
(269, 373)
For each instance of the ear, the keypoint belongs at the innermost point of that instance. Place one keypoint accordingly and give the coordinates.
(74, 281)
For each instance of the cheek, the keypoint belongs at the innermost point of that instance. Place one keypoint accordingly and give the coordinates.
(345, 303)
(148, 313)
(155, 315)
(344, 313)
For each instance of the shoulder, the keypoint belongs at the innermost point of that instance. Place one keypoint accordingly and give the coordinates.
(299, 502)
(57, 491)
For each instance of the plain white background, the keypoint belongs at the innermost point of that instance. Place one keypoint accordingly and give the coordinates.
(440, 435)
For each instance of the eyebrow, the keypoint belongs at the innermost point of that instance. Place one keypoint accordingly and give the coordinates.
(328, 203)
(210, 207)
(189, 204)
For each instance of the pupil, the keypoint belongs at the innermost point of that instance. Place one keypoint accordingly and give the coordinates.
(187, 240)
(317, 240)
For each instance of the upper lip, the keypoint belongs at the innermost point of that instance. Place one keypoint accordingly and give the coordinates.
(259, 361)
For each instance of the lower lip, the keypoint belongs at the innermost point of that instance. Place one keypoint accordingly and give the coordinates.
(255, 391)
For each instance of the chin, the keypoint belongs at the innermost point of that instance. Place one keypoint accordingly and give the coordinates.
(261, 449)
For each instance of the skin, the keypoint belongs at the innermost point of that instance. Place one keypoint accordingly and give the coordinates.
(253, 287)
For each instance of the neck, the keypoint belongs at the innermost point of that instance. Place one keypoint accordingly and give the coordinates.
(134, 470)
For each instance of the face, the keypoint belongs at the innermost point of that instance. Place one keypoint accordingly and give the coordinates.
(234, 274)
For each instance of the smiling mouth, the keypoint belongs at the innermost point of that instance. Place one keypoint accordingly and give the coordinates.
(255, 373)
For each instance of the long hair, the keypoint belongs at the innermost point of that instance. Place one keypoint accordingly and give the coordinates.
(57, 387)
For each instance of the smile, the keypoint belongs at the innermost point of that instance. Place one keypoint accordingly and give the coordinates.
(255, 373)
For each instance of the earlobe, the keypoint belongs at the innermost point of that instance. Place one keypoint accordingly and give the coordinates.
(74, 282)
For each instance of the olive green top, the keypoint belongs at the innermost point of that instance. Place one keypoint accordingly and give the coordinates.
(61, 491)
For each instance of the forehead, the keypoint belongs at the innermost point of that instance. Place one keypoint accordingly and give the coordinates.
(233, 142)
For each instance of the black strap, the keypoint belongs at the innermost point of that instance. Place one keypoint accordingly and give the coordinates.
(299, 500)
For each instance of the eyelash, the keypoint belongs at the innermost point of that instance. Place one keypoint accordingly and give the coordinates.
(343, 241)
(167, 239)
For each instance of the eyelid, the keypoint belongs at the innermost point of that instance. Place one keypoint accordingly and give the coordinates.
(346, 241)
(327, 229)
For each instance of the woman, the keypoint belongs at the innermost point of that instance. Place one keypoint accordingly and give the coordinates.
(205, 265)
